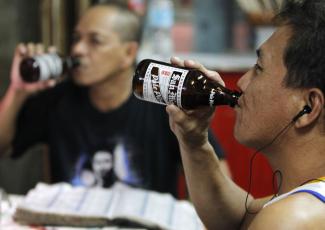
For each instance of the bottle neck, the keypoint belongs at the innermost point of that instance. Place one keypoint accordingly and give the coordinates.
(70, 63)
(224, 96)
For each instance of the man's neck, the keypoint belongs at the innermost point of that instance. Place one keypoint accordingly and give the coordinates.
(298, 162)
(112, 93)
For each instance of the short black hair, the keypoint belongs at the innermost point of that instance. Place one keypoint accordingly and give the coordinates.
(129, 24)
(304, 56)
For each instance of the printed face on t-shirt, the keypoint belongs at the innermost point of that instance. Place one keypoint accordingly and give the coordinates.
(104, 166)
(102, 163)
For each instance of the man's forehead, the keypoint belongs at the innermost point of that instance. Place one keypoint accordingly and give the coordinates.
(98, 18)
(94, 32)
(101, 10)
(279, 38)
(275, 44)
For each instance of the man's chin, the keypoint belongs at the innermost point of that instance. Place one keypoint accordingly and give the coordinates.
(249, 143)
(79, 80)
(242, 139)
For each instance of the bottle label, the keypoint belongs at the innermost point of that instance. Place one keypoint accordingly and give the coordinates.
(164, 84)
(50, 65)
(212, 97)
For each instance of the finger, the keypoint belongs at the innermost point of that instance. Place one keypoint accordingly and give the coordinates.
(193, 65)
(177, 61)
(52, 49)
(178, 117)
(41, 85)
(30, 49)
(175, 113)
(204, 114)
(21, 50)
(20, 53)
(50, 83)
(213, 75)
(39, 49)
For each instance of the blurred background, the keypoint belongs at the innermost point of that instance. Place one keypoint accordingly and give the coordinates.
(222, 34)
(193, 26)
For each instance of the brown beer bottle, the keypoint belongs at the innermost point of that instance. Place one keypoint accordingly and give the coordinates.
(45, 66)
(163, 83)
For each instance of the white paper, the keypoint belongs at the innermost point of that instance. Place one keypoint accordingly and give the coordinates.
(121, 201)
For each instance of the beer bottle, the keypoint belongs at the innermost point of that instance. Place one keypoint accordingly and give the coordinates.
(163, 83)
(45, 66)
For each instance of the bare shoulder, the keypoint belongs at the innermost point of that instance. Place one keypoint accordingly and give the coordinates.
(298, 211)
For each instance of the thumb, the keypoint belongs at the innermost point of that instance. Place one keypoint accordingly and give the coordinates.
(20, 53)
(175, 113)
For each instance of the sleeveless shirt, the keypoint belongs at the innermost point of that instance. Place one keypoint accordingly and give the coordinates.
(315, 187)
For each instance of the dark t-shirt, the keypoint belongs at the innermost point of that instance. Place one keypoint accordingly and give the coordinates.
(132, 144)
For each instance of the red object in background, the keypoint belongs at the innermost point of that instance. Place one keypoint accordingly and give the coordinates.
(138, 6)
(238, 156)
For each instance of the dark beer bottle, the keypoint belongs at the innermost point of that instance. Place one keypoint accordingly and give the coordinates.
(45, 66)
(163, 83)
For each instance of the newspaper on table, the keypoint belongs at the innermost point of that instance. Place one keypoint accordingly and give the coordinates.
(121, 205)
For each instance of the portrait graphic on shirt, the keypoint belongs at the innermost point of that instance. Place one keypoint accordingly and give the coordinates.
(104, 166)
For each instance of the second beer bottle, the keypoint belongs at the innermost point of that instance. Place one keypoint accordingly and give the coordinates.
(46, 66)
(163, 83)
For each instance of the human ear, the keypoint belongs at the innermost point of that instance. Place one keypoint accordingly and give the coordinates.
(131, 50)
(315, 100)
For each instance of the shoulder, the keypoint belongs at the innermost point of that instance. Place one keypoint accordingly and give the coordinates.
(298, 211)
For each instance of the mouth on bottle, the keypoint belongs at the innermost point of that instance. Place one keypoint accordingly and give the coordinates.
(235, 98)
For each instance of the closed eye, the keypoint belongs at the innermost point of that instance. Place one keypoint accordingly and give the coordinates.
(75, 38)
(258, 68)
(95, 40)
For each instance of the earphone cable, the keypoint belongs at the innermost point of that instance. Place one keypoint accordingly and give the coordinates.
(251, 167)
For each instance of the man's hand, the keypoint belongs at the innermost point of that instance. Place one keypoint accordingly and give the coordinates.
(191, 126)
(17, 84)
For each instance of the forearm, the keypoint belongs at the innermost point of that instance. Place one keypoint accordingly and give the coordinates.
(219, 202)
(9, 109)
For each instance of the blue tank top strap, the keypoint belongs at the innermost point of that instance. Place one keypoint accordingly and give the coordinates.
(312, 192)
(315, 188)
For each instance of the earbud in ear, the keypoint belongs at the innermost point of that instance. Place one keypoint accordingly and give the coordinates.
(305, 110)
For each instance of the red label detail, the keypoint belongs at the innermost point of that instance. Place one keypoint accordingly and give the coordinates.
(165, 73)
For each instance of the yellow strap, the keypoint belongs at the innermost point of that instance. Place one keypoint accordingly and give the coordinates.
(317, 180)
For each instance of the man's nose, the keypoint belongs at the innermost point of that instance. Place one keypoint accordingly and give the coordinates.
(243, 82)
(79, 48)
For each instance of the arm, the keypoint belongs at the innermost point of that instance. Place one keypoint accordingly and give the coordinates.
(225, 168)
(219, 202)
(9, 108)
(298, 211)
(16, 95)
(220, 153)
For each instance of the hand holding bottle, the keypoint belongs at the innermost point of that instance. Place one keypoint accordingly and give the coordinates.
(188, 88)
(23, 51)
(183, 85)
(191, 126)
(17, 94)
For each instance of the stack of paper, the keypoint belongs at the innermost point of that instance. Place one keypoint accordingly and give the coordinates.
(64, 205)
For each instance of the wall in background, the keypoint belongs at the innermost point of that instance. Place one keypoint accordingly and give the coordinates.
(18, 23)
